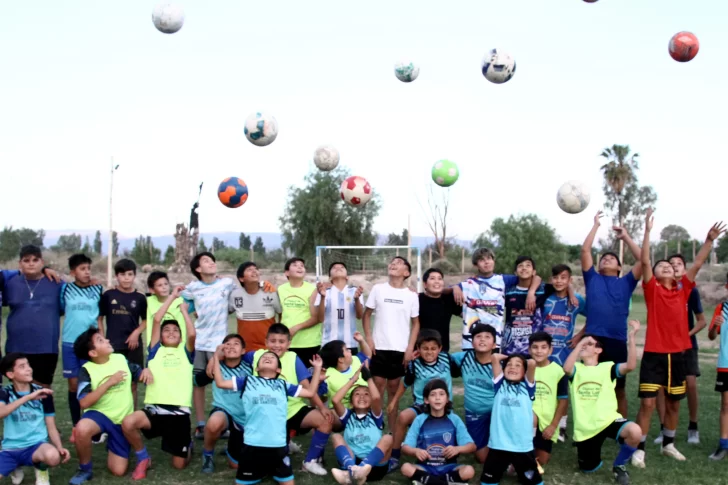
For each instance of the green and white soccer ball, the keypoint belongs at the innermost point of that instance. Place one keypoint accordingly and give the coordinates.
(406, 71)
(261, 129)
(573, 197)
(168, 18)
(445, 173)
(326, 158)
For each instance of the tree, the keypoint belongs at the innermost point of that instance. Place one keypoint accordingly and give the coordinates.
(86, 249)
(674, 232)
(115, 244)
(11, 240)
(201, 246)
(68, 243)
(244, 242)
(259, 247)
(97, 243)
(395, 239)
(525, 235)
(438, 203)
(316, 215)
(169, 256)
(144, 251)
(217, 244)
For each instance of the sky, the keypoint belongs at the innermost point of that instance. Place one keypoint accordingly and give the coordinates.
(82, 81)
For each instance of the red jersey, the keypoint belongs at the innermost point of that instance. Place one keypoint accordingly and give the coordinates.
(667, 316)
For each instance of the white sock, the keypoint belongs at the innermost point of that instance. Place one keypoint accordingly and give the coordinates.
(562, 422)
(534, 431)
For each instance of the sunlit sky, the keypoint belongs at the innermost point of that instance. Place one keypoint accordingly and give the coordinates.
(81, 81)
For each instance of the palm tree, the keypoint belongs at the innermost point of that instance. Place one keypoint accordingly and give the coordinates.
(618, 171)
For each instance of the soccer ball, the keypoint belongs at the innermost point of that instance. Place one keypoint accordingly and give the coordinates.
(445, 173)
(168, 18)
(573, 197)
(498, 66)
(232, 192)
(326, 158)
(356, 191)
(261, 129)
(684, 46)
(406, 71)
(590, 1)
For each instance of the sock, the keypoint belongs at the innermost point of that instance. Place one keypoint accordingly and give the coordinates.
(345, 459)
(641, 446)
(724, 444)
(625, 453)
(209, 453)
(424, 477)
(534, 432)
(374, 457)
(693, 426)
(142, 455)
(662, 426)
(396, 453)
(317, 446)
(454, 477)
(562, 422)
(85, 467)
(668, 436)
(75, 407)
(201, 424)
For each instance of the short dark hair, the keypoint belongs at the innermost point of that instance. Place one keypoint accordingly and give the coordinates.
(7, 364)
(243, 267)
(540, 337)
(85, 343)
(560, 268)
(124, 265)
(30, 250)
(482, 253)
(658, 262)
(523, 358)
(155, 276)
(195, 263)
(482, 327)
(406, 263)
(431, 386)
(331, 352)
(232, 336)
(169, 321)
(278, 329)
(292, 260)
(523, 259)
(428, 335)
(427, 274)
(611, 253)
(335, 263)
(677, 255)
(599, 344)
(77, 260)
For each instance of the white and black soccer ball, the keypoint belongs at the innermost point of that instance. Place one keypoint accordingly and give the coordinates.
(326, 158)
(168, 18)
(261, 129)
(498, 66)
(406, 71)
(573, 197)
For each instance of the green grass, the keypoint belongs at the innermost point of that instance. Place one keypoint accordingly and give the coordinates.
(561, 471)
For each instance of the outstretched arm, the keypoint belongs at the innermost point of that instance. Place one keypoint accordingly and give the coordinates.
(645, 253)
(495, 361)
(341, 393)
(715, 231)
(631, 364)
(587, 260)
(622, 234)
(574, 355)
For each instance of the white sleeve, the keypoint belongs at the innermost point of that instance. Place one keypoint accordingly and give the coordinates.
(415, 312)
(372, 299)
(318, 299)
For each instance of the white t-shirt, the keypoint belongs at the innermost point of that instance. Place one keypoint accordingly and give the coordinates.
(394, 309)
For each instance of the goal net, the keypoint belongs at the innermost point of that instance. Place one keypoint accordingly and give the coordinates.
(367, 264)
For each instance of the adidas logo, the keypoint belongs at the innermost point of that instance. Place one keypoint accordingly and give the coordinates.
(268, 299)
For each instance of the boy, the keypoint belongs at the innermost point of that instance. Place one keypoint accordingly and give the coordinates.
(595, 407)
(168, 398)
(341, 366)
(227, 409)
(104, 393)
(80, 302)
(254, 309)
(663, 364)
(159, 287)
(299, 313)
(28, 423)
(394, 336)
(521, 322)
(609, 296)
(475, 366)
(721, 381)
(339, 307)
(7, 275)
(436, 438)
(483, 296)
(552, 396)
(437, 307)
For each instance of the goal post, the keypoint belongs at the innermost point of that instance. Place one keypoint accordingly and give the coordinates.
(368, 261)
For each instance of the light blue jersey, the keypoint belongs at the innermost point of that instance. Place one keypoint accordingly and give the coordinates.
(477, 381)
(559, 318)
(81, 307)
(25, 426)
(419, 373)
(227, 399)
(265, 402)
(435, 434)
(340, 315)
(511, 425)
(362, 433)
(210, 303)
(485, 303)
(721, 311)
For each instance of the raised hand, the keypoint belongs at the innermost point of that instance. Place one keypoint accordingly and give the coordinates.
(358, 337)
(321, 288)
(619, 232)
(359, 291)
(715, 231)
(598, 216)
(649, 219)
(178, 290)
(316, 362)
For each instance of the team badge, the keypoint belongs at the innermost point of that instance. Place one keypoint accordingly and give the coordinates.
(446, 437)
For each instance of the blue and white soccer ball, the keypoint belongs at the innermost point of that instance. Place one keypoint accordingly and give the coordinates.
(168, 18)
(261, 129)
(573, 197)
(406, 71)
(498, 66)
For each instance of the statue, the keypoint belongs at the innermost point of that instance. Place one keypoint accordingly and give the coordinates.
(186, 240)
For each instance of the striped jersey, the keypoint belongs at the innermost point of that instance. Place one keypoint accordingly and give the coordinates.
(484, 302)
(477, 382)
(340, 315)
(721, 310)
(81, 307)
(419, 373)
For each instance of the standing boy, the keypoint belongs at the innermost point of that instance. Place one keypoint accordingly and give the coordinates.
(159, 287)
(339, 307)
(721, 381)
(299, 310)
(520, 321)
(254, 307)
(437, 307)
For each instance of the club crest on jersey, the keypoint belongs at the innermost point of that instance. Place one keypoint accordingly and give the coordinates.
(133, 304)
(446, 437)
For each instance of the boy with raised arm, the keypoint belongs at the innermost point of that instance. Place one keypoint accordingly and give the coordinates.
(663, 361)
(339, 307)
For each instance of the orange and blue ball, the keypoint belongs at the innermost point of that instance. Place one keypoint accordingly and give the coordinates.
(232, 192)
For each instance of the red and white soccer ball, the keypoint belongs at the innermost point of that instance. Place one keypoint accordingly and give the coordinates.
(356, 191)
(684, 46)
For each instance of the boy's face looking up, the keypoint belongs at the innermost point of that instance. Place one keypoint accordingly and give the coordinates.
(525, 270)
(161, 288)
(268, 364)
(233, 349)
(429, 351)
(31, 266)
(434, 284)
(664, 271)
(437, 399)
(338, 271)
(397, 269)
(361, 398)
(82, 273)
(22, 373)
(483, 342)
(608, 264)
(540, 351)
(251, 275)
(278, 343)
(515, 370)
(297, 270)
(102, 346)
(171, 335)
(590, 349)
(125, 280)
(486, 265)
(348, 359)
(678, 267)
(561, 281)
(207, 267)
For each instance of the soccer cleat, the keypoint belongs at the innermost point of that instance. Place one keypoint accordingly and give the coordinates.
(42, 477)
(719, 454)
(658, 440)
(140, 472)
(671, 451)
(638, 459)
(294, 448)
(17, 475)
(693, 437)
(208, 465)
(100, 439)
(393, 465)
(200, 433)
(314, 467)
(562, 435)
(81, 477)
(620, 475)
(360, 473)
(341, 476)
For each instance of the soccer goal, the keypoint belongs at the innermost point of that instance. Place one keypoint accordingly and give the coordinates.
(367, 262)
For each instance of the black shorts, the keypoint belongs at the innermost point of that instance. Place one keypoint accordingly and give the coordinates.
(666, 371)
(721, 382)
(257, 463)
(524, 463)
(44, 367)
(174, 429)
(387, 364)
(589, 452)
(378, 472)
(541, 443)
(614, 350)
(692, 366)
(235, 441)
(306, 353)
(135, 356)
(294, 424)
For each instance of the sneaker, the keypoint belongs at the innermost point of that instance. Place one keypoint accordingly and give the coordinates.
(341, 476)
(81, 477)
(719, 454)
(200, 433)
(360, 473)
(225, 435)
(671, 451)
(658, 440)
(208, 464)
(638, 459)
(100, 439)
(294, 447)
(17, 475)
(393, 465)
(314, 467)
(620, 475)
(416, 482)
(562, 435)
(42, 477)
(693, 437)
(140, 472)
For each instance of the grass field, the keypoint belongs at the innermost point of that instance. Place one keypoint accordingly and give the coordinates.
(562, 469)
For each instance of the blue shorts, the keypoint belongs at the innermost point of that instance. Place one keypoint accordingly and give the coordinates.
(418, 408)
(71, 363)
(478, 426)
(235, 441)
(12, 459)
(438, 471)
(116, 443)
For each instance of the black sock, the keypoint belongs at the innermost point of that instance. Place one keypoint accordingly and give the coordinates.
(666, 440)
(424, 477)
(662, 426)
(693, 426)
(75, 408)
(641, 446)
(454, 477)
